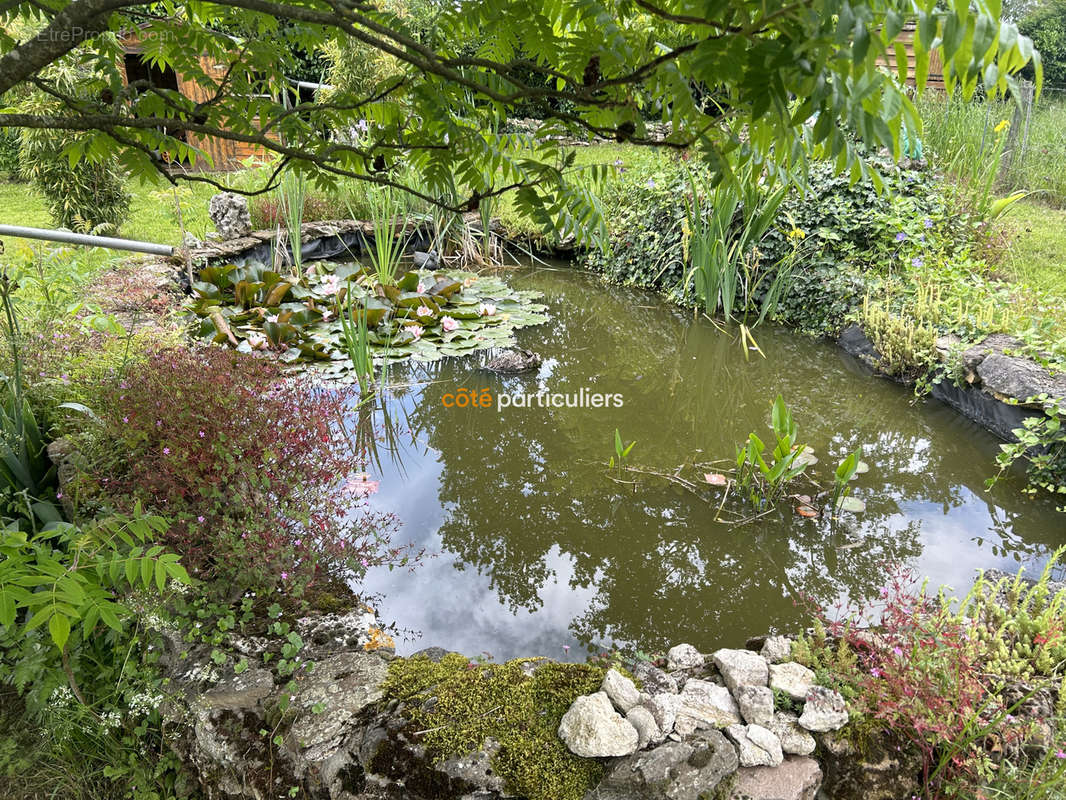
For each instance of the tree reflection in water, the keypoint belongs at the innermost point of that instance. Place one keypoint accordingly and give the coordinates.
(521, 490)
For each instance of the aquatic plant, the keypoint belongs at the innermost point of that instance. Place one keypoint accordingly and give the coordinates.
(293, 199)
(387, 246)
(621, 452)
(421, 316)
(761, 475)
(724, 226)
(840, 496)
(356, 332)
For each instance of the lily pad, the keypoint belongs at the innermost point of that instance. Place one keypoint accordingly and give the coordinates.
(852, 504)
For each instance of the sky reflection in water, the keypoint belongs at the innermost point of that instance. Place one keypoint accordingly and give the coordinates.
(536, 549)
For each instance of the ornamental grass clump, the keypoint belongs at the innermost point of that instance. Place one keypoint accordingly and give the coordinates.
(258, 474)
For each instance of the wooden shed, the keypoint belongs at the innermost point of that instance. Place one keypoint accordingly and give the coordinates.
(935, 78)
(224, 153)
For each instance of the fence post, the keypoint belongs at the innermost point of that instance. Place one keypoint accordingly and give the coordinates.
(1018, 134)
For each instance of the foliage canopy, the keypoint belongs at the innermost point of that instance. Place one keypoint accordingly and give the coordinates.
(734, 78)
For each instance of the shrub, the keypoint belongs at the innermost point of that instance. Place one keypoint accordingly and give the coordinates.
(84, 197)
(1046, 26)
(9, 154)
(940, 680)
(257, 473)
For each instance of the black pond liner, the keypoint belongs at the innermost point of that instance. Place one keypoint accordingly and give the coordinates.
(349, 245)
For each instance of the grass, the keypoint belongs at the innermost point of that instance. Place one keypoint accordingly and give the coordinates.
(1037, 251)
(961, 136)
(153, 218)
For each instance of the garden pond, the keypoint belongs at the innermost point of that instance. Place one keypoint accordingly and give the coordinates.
(535, 547)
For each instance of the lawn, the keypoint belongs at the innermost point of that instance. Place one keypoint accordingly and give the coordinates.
(153, 218)
(1037, 251)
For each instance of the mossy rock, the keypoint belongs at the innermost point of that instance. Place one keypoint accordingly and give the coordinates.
(458, 705)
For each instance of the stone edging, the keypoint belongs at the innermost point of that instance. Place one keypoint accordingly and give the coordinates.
(995, 383)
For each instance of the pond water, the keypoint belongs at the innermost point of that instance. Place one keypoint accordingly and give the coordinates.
(534, 550)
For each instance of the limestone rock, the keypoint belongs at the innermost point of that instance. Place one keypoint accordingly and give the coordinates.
(824, 710)
(672, 771)
(741, 668)
(476, 769)
(793, 679)
(243, 691)
(664, 708)
(1018, 378)
(593, 729)
(683, 656)
(330, 699)
(793, 779)
(622, 691)
(756, 705)
(794, 739)
(708, 704)
(776, 649)
(647, 729)
(230, 214)
(653, 680)
(757, 746)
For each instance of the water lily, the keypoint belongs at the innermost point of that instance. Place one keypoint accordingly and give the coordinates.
(361, 485)
(327, 315)
(448, 324)
(416, 331)
(423, 311)
(272, 318)
(331, 284)
(486, 309)
(258, 341)
(421, 288)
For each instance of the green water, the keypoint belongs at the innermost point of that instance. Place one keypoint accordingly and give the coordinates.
(534, 549)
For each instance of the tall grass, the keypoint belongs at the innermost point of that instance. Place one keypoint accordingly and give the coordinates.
(974, 143)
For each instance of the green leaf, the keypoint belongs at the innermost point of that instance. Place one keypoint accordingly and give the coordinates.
(59, 628)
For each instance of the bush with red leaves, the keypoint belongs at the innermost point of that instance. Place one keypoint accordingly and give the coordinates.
(256, 471)
(914, 670)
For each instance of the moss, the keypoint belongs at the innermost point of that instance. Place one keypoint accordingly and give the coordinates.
(522, 712)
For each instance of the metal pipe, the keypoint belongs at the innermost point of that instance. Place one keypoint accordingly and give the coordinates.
(68, 237)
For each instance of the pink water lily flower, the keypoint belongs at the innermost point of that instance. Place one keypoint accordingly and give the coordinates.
(331, 284)
(258, 342)
(421, 289)
(486, 309)
(416, 331)
(423, 311)
(448, 324)
(327, 315)
(272, 318)
(361, 485)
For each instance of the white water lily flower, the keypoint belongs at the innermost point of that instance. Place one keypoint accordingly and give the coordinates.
(423, 311)
(486, 309)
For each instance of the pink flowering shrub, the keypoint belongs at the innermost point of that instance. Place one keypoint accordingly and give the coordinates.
(257, 472)
(914, 669)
